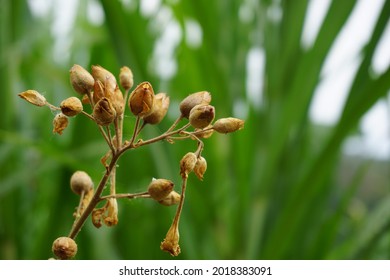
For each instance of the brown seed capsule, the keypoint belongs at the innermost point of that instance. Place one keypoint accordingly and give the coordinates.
(97, 215)
(126, 78)
(160, 188)
(60, 122)
(103, 112)
(187, 164)
(98, 91)
(205, 132)
(202, 115)
(197, 98)
(117, 101)
(71, 106)
(64, 248)
(200, 167)
(141, 99)
(111, 219)
(172, 198)
(159, 110)
(81, 80)
(171, 241)
(33, 97)
(80, 181)
(228, 125)
(104, 76)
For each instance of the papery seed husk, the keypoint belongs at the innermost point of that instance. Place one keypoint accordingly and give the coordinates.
(81, 80)
(204, 132)
(80, 182)
(141, 100)
(200, 167)
(64, 248)
(197, 98)
(33, 97)
(159, 110)
(126, 78)
(187, 164)
(202, 115)
(111, 219)
(98, 91)
(159, 189)
(117, 101)
(172, 198)
(60, 122)
(228, 125)
(103, 112)
(104, 76)
(71, 106)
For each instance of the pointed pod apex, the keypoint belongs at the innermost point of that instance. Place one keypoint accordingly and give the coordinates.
(172, 198)
(33, 97)
(228, 125)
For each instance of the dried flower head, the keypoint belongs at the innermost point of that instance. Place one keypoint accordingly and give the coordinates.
(141, 100)
(159, 110)
(126, 78)
(200, 167)
(81, 80)
(33, 97)
(64, 248)
(171, 241)
(60, 122)
(80, 182)
(103, 112)
(228, 125)
(160, 188)
(71, 106)
(172, 198)
(187, 164)
(202, 115)
(197, 98)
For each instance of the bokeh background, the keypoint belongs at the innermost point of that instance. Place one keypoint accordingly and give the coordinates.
(288, 186)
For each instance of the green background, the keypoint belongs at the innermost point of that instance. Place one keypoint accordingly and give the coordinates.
(279, 189)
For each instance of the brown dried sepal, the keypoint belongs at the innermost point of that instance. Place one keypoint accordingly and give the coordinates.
(200, 167)
(159, 189)
(33, 97)
(159, 110)
(141, 100)
(60, 122)
(64, 248)
(171, 241)
(103, 112)
(172, 198)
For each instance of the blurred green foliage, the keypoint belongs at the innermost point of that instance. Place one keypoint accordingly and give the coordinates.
(271, 191)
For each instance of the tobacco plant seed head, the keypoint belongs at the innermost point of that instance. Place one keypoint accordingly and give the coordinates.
(104, 76)
(187, 164)
(200, 167)
(202, 115)
(172, 198)
(103, 112)
(64, 248)
(160, 188)
(141, 100)
(60, 122)
(71, 106)
(197, 98)
(81, 182)
(228, 125)
(159, 110)
(126, 78)
(81, 80)
(33, 97)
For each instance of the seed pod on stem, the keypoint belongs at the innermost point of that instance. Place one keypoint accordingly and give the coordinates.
(117, 101)
(201, 115)
(60, 122)
(160, 188)
(80, 182)
(200, 167)
(172, 198)
(197, 98)
(71, 106)
(103, 112)
(187, 164)
(33, 97)
(228, 125)
(159, 110)
(104, 76)
(64, 248)
(141, 100)
(81, 80)
(126, 78)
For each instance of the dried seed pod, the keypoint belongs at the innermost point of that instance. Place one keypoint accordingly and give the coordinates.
(103, 112)
(159, 110)
(97, 215)
(117, 101)
(104, 76)
(33, 97)
(80, 182)
(81, 80)
(98, 91)
(141, 100)
(187, 164)
(64, 248)
(171, 241)
(111, 219)
(126, 78)
(200, 167)
(160, 188)
(228, 125)
(172, 198)
(60, 122)
(205, 132)
(197, 98)
(201, 115)
(71, 106)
